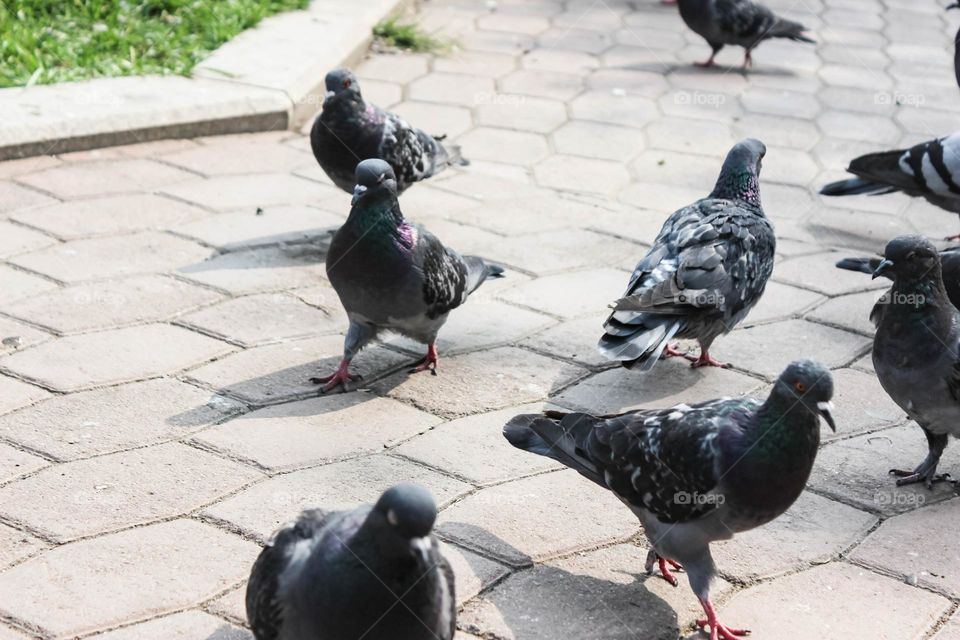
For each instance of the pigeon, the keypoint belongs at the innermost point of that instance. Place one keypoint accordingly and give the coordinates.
(695, 473)
(374, 573)
(392, 275)
(707, 268)
(949, 262)
(742, 23)
(930, 170)
(915, 349)
(956, 48)
(349, 130)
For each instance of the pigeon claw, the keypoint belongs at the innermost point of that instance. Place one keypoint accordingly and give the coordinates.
(721, 631)
(338, 378)
(665, 570)
(427, 362)
(706, 360)
(952, 238)
(673, 350)
(928, 477)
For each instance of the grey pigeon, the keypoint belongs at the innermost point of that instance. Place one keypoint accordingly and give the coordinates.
(929, 170)
(707, 268)
(742, 23)
(695, 474)
(915, 349)
(392, 275)
(949, 263)
(374, 573)
(349, 130)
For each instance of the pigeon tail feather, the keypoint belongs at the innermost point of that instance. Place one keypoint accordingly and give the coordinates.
(455, 156)
(791, 30)
(855, 187)
(637, 346)
(556, 435)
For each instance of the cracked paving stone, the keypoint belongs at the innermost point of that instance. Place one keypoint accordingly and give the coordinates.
(102, 494)
(80, 425)
(279, 372)
(538, 518)
(263, 508)
(153, 570)
(603, 594)
(15, 546)
(188, 625)
(108, 357)
(316, 431)
(480, 381)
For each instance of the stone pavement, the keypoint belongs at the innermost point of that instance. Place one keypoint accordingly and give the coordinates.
(164, 304)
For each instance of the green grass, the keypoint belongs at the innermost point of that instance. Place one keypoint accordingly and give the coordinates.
(44, 41)
(409, 37)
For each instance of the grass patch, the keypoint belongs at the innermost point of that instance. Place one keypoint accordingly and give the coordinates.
(47, 41)
(409, 37)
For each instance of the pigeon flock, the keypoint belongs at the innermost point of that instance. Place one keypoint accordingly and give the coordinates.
(692, 473)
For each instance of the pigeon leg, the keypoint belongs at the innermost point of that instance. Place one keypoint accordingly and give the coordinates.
(706, 360)
(673, 350)
(718, 631)
(926, 471)
(653, 556)
(747, 60)
(340, 377)
(429, 361)
(952, 238)
(708, 63)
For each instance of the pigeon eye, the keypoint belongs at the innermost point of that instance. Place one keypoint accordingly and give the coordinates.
(346, 84)
(800, 387)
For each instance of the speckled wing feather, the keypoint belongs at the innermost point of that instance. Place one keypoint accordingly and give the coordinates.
(744, 20)
(448, 277)
(413, 153)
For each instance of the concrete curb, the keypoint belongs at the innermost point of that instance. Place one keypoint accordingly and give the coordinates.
(267, 78)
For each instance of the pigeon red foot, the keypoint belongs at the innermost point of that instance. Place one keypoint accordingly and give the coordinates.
(428, 362)
(718, 631)
(706, 360)
(338, 378)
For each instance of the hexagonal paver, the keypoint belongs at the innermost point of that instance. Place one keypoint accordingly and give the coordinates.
(860, 604)
(111, 303)
(15, 463)
(501, 145)
(188, 625)
(245, 155)
(14, 197)
(561, 250)
(263, 508)
(560, 60)
(19, 284)
(153, 570)
(110, 492)
(544, 84)
(476, 63)
(951, 630)
(781, 103)
(16, 545)
(571, 340)
(109, 216)
(451, 88)
(858, 126)
(553, 503)
(443, 119)
(272, 225)
(146, 252)
(525, 113)
(317, 430)
(571, 295)
(224, 193)
(598, 140)
(85, 179)
(611, 108)
(513, 23)
(106, 420)
(15, 239)
(15, 394)
(849, 312)
(259, 269)
(818, 272)
(108, 357)
(282, 372)
(781, 301)
(583, 175)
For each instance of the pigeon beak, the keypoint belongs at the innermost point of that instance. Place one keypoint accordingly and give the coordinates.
(329, 94)
(825, 409)
(882, 268)
(421, 547)
(358, 192)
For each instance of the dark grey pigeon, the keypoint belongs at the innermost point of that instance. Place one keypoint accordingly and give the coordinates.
(707, 268)
(349, 130)
(949, 263)
(374, 573)
(695, 474)
(743, 23)
(930, 170)
(392, 275)
(915, 349)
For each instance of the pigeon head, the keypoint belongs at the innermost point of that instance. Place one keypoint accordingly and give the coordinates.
(808, 384)
(909, 258)
(341, 83)
(374, 177)
(409, 509)
(740, 175)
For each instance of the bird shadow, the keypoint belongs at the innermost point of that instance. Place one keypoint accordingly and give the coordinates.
(599, 594)
(306, 247)
(229, 632)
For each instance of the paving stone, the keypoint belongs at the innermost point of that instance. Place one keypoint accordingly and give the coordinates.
(19, 284)
(781, 301)
(916, 545)
(443, 119)
(188, 625)
(232, 606)
(146, 252)
(572, 340)
(554, 501)
(779, 131)
(15, 463)
(529, 215)
(264, 318)
(859, 126)
(260, 269)
(273, 225)
(781, 103)
(6, 633)
(15, 546)
(855, 471)
(89, 423)
(15, 336)
(834, 601)
(15, 394)
(497, 42)
(11, 168)
(604, 106)
(245, 155)
(819, 273)
(542, 84)
(951, 630)
(450, 88)
(599, 594)
(476, 63)
(402, 67)
(501, 145)
(559, 60)
(263, 508)
(280, 372)
(111, 303)
(109, 357)
(571, 295)
(619, 389)
(154, 570)
(481, 381)
(582, 175)
(224, 193)
(560, 250)
(472, 572)
(317, 430)
(14, 197)
(472, 448)
(861, 404)
(813, 531)
(86, 179)
(850, 311)
(525, 113)
(630, 81)
(119, 490)
(530, 25)
(109, 216)
(16, 239)
(598, 140)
